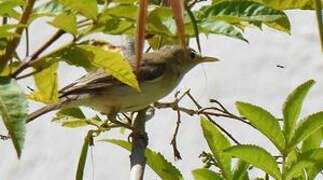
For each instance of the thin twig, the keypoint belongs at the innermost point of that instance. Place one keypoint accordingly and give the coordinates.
(34, 56)
(177, 154)
(13, 43)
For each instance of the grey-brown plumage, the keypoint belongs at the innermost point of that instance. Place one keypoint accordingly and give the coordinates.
(159, 74)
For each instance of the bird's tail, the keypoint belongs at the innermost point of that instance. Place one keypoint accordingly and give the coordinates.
(42, 111)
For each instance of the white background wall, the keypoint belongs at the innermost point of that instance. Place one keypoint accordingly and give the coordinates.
(247, 72)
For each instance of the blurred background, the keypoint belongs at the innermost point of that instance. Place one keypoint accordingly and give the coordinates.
(246, 72)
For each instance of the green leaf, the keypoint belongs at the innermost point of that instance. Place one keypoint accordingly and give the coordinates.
(46, 82)
(154, 160)
(113, 25)
(281, 24)
(13, 110)
(288, 4)
(7, 5)
(205, 174)
(74, 117)
(5, 33)
(51, 8)
(66, 22)
(235, 11)
(292, 108)
(119, 11)
(282, 4)
(220, 27)
(87, 8)
(264, 122)
(312, 158)
(82, 159)
(313, 141)
(77, 56)
(257, 157)
(240, 172)
(217, 143)
(307, 127)
(114, 63)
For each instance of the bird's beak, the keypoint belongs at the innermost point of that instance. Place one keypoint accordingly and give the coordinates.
(208, 59)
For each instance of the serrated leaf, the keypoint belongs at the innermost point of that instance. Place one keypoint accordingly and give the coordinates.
(292, 108)
(82, 159)
(306, 127)
(313, 141)
(66, 22)
(288, 4)
(50, 8)
(87, 8)
(114, 63)
(217, 143)
(5, 30)
(220, 27)
(7, 6)
(281, 24)
(240, 171)
(74, 117)
(77, 56)
(257, 157)
(13, 110)
(154, 160)
(205, 174)
(46, 83)
(235, 11)
(119, 11)
(308, 159)
(264, 122)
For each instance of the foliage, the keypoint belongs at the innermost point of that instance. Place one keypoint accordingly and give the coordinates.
(306, 131)
(81, 18)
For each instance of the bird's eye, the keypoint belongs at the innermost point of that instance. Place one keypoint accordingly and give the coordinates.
(193, 55)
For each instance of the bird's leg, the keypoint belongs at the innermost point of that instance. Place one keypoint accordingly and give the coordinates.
(112, 117)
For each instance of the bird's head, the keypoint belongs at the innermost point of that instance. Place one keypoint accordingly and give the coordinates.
(185, 59)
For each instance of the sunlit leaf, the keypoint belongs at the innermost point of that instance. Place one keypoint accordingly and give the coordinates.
(264, 122)
(217, 143)
(312, 158)
(240, 171)
(66, 22)
(6, 6)
(307, 127)
(46, 83)
(220, 27)
(5, 30)
(52, 7)
(235, 12)
(281, 24)
(13, 110)
(292, 108)
(154, 160)
(114, 63)
(257, 157)
(119, 11)
(87, 8)
(205, 174)
(313, 141)
(74, 117)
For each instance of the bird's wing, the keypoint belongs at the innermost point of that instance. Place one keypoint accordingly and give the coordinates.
(101, 79)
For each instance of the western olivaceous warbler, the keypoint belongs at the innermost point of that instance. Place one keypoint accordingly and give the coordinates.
(160, 72)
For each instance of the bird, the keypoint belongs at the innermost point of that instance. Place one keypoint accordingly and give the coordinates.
(160, 73)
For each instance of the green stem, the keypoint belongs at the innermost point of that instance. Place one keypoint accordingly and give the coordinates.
(318, 8)
(12, 45)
